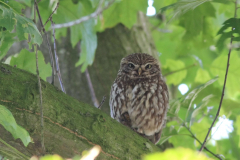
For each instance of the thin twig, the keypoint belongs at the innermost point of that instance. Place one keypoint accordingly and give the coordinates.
(48, 43)
(40, 90)
(215, 155)
(51, 14)
(41, 106)
(98, 11)
(93, 96)
(225, 80)
(103, 100)
(56, 59)
(180, 70)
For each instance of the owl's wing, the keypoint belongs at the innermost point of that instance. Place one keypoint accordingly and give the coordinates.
(114, 105)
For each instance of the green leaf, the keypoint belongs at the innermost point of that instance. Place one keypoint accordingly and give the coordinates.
(196, 22)
(6, 41)
(190, 97)
(200, 129)
(218, 67)
(88, 45)
(27, 2)
(237, 124)
(8, 122)
(168, 132)
(25, 28)
(193, 112)
(202, 76)
(51, 157)
(226, 33)
(84, 31)
(172, 66)
(124, 12)
(27, 60)
(177, 154)
(7, 18)
(16, 6)
(183, 6)
(94, 3)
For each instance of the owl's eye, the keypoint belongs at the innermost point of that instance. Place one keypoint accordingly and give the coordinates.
(148, 66)
(131, 65)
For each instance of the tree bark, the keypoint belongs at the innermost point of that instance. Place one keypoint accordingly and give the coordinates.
(70, 126)
(113, 44)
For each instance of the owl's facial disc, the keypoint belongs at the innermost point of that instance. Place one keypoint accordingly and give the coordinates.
(135, 71)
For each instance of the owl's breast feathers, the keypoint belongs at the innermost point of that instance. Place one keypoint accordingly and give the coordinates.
(144, 102)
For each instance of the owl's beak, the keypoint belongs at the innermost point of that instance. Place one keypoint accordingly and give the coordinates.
(139, 71)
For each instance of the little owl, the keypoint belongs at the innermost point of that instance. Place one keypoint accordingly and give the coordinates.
(139, 96)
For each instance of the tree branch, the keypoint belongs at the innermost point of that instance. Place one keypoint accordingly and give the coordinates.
(98, 11)
(93, 96)
(225, 80)
(215, 155)
(70, 126)
(51, 14)
(56, 59)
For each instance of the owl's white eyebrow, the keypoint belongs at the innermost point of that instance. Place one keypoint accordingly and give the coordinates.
(147, 64)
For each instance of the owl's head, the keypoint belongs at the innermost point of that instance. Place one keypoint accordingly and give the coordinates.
(139, 65)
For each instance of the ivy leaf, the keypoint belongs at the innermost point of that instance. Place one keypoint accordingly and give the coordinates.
(27, 61)
(172, 66)
(25, 27)
(225, 33)
(8, 122)
(124, 12)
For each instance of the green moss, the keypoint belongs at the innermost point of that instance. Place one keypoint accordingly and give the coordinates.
(70, 126)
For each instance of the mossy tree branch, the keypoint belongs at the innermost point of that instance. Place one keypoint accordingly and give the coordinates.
(70, 126)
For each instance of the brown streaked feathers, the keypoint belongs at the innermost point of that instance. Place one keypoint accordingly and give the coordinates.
(139, 96)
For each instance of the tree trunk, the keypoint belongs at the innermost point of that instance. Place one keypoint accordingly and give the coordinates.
(113, 45)
(70, 126)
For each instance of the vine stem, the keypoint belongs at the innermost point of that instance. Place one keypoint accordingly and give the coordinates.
(225, 80)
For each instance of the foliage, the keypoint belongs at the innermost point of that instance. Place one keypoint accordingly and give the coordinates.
(177, 154)
(25, 28)
(193, 42)
(26, 60)
(8, 122)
